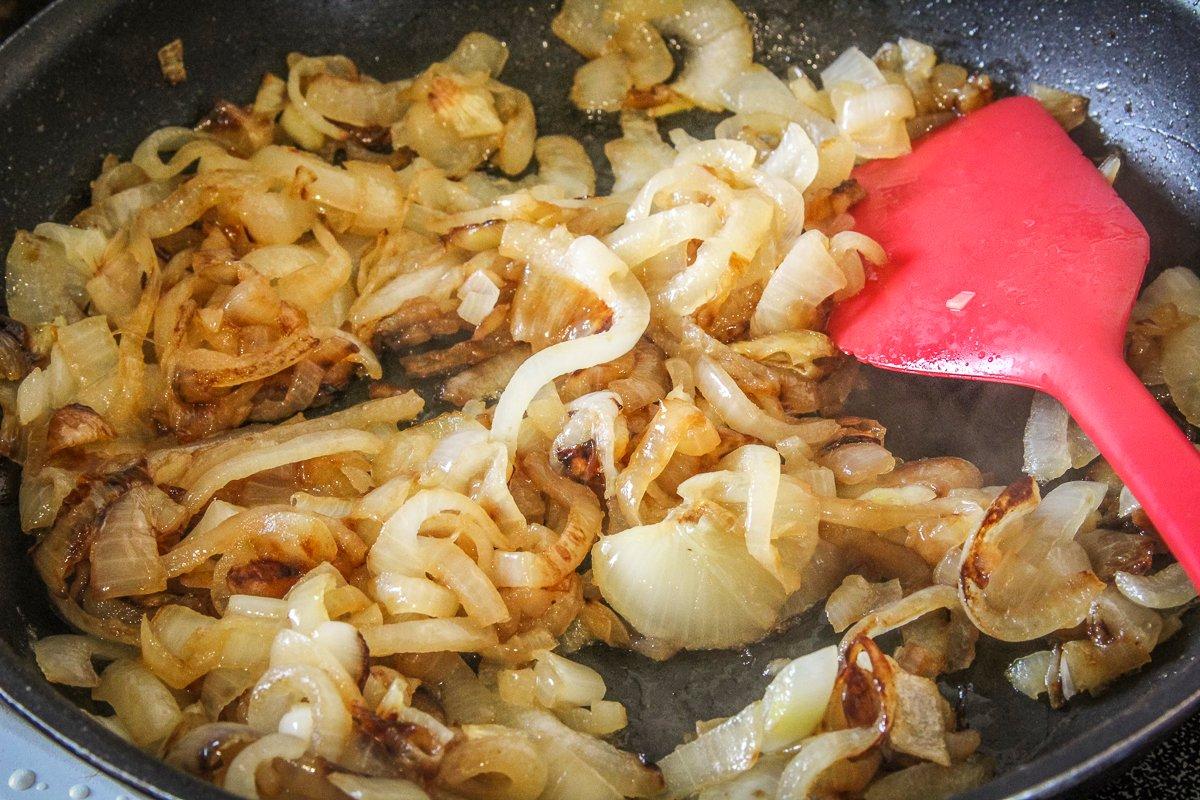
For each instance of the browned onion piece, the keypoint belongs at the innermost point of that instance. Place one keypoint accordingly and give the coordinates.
(562, 556)
(861, 715)
(1023, 575)
(902, 612)
(921, 711)
(931, 781)
(1170, 587)
(76, 425)
(1122, 636)
(856, 598)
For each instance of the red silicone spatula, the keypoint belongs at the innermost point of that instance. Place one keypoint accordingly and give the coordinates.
(1001, 211)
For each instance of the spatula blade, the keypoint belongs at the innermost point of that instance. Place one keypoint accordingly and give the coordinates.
(1005, 245)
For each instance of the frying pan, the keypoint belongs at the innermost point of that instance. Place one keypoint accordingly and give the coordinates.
(81, 80)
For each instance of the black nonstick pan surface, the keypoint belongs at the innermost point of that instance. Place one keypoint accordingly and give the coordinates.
(82, 80)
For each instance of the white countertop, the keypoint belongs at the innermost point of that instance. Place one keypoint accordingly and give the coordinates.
(53, 773)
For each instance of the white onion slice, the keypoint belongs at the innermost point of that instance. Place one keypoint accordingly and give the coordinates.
(716, 755)
(588, 261)
(1022, 573)
(688, 583)
(1170, 587)
(795, 701)
(240, 776)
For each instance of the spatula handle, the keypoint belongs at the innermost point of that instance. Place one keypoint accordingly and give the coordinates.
(1144, 446)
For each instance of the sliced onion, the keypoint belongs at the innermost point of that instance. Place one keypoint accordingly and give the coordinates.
(852, 66)
(594, 265)
(563, 163)
(795, 701)
(740, 413)
(930, 781)
(807, 275)
(687, 582)
(796, 158)
(819, 753)
(240, 776)
(144, 705)
(583, 25)
(761, 466)
(562, 682)
(281, 687)
(716, 755)
(301, 448)
(1069, 109)
(918, 727)
(1046, 452)
(1180, 356)
(124, 555)
(719, 47)
(1177, 286)
(623, 772)
(428, 636)
(601, 84)
(68, 658)
(187, 752)
(364, 788)
(856, 598)
(639, 154)
(1023, 575)
(1170, 587)
(1130, 632)
(901, 612)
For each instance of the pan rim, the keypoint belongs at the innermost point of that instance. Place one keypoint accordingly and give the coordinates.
(36, 701)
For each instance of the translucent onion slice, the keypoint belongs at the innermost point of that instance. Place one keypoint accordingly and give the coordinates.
(493, 761)
(562, 682)
(796, 698)
(623, 772)
(428, 636)
(1046, 453)
(602, 718)
(639, 154)
(856, 598)
(478, 52)
(124, 554)
(1167, 588)
(583, 25)
(280, 688)
(601, 84)
(187, 751)
(818, 754)
(854, 67)
(795, 158)
(807, 275)
(1131, 633)
(902, 612)
(1177, 286)
(687, 582)
(588, 261)
(68, 658)
(926, 781)
(302, 448)
(719, 47)
(363, 788)
(1180, 357)
(569, 777)
(1031, 675)
(144, 705)
(240, 777)
(740, 413)
(1022, 574)
(761, 466)
(716, 755)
